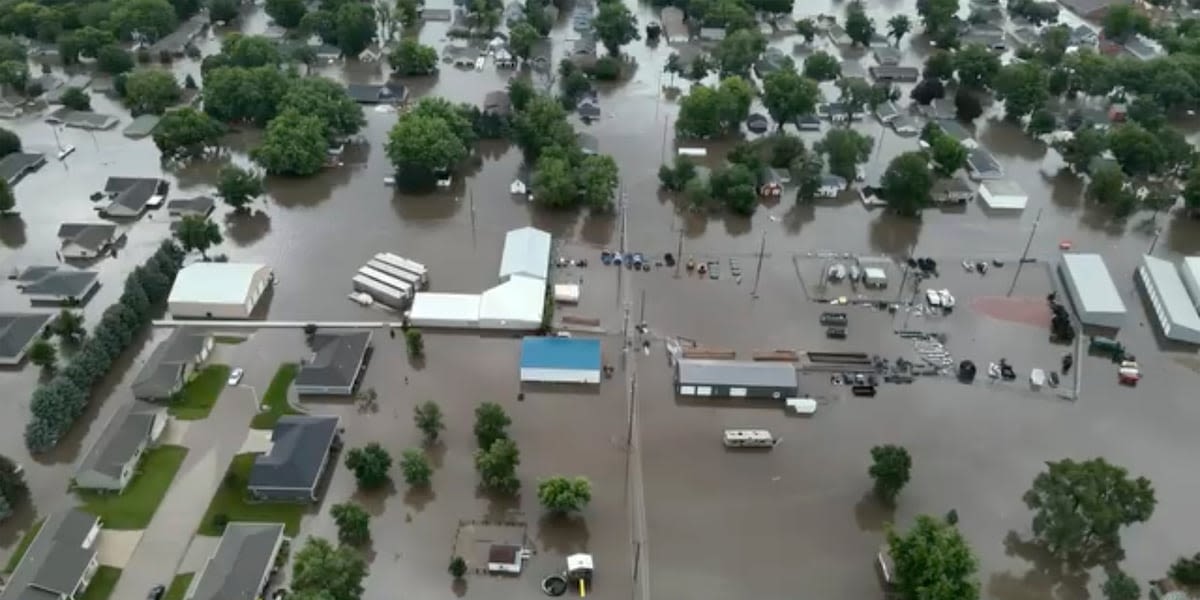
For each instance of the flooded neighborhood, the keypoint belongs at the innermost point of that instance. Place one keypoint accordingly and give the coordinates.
(924, 355)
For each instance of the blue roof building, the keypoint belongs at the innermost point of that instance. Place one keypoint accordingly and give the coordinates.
(560, 360)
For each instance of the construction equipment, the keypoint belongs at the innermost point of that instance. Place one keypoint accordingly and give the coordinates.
(1107, 347)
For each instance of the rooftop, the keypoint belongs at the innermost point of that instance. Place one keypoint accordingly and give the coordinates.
(17, 332)
(216, 283)
(1091, 8)
(160, 375)
(93, 236)
(60, 283)
(299, 444)
(141, 126)
(1093, 285)
(336, 358)
(526, 252)
(560, 353)
(81, 119)
(124, 435)
(200, 205)
(14, 166)
(56, 560)
(736, 372)
(130, 195)
(243, 557)
(1174, 302)
(519, 300)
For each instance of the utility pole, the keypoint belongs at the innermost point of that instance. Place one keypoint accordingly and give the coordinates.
(1025, 254)
(471, 197)
(762, 249)
(679, 252)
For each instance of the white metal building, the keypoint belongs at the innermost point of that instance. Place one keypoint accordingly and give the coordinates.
(1173, 308)
(1189, 271)
(430, 309)
(527, 253)
(1092, 291)
(560, 360)
(1003, 194)
(219, 290)
(515, 304)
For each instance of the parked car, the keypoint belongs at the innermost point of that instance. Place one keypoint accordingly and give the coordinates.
(235, 376)
(834, 319)
(835, 333)
(156, 593)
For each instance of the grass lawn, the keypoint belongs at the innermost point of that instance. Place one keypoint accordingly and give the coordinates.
(179, 586)
(102, 585)
(200, 394)
(22, 546)
(276, 398)
(133, 508)
(230, 500)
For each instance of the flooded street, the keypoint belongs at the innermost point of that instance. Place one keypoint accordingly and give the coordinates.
(717, 524)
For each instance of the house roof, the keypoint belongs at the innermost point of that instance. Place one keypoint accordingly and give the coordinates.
(81, 119)
(17, 331)
(673, 24)
(177, 40)
(200, 205)
(299, 444)
(560, 353)
(373, 92)
(954, 129)
(895, 72)
(335, 361)
(526, 252)
(164, 368)
(887, 55)
(1091, 8)
(1092, 285)
(56, 559)
(736, 373)
(242, 559)
(951, 185)
(982, 161)
(121, 439)
(61, 283)
(497, 102)
(93, 236)
(216, 283)
(588, 108)
(14, 166)
(130, 194)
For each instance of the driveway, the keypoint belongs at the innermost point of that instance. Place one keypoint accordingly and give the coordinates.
(113, 547)
(212, 443)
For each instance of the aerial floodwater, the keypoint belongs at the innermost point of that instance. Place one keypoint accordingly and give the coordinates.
(673, 513)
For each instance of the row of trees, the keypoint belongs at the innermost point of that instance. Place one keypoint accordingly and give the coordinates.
(12, 487)
(94, 24)
(58, 403)
(351, 26)
(68, 326)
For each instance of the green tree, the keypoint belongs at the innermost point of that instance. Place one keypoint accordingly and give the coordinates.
(521, 40)
(1080, 507)
(249, 51)
(598, 179)
(806, 29)
(327, 573)
(676, 178)
(9, 142)
(1185, 570)
(898, 27)
(891, 468)
(458, 567)
(520, 93)
(1041, 122)
(286, 13)
(845, 149)
(543, 124)
(787, 95)
(940, 64)
(497, 466)
(428, 418)
(415, 342)
(355, 23)
(491, 424)
(7, 200)
(738, 51)
(223, 11)
(735, 188)
(564, 494)
(806, 171)
(536, 15)
(420, 145)
(937, 15)
(68, 326)
(977, 66)
(353, 523)
(150, 91)
(1191, 193)
(326, 100)
(238, 187)
(1122, 21)
(615, 26)
(12, 483)
(187, 133)
(415, 467)
(370, 465)
(408, 11)
(237, 94)
(76, 99)
(1139, 152)
(948, 155)
(821, 66)
(1024, 87)
(43, 354)
(700, 114)
(410, 57)
(197, 232)
(1106, 186)
(1120, 586)
(295, 144)
(149, 18)
(906, 183)
(859, 27)
(554, 182)
(933, 561)
(1079, 151)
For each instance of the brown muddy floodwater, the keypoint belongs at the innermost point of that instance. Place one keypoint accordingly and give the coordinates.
(706, 523)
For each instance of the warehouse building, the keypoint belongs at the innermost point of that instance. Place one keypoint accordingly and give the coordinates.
(736, 379)
(526, 253)
(1093, 293)
(560, 360)
(448, 311)
(219, 290)
(1189, 271)
(1172, 307)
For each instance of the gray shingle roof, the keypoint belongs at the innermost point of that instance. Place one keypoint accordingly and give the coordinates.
(93, 236)
(200, 205)
(242, 558)
(335, 359)
(736, 373)
(299, 445)
(14, 166)
(59, 283)
(128, 430)
(17, 331)
(164, 368)
(55, 561)
(131, 194)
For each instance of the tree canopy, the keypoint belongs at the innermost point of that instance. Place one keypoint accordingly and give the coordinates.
(709, 112)
(415, 467)
(891, 468)
(933, 562)
(738, 51)
(353, 523)
(286, 13)
(421, 144)
(906, 183)
(238, 187)
(326, 100)
(371, 465)
(1024, 88)
(859, 27)
(822, 66)
(411, 57)
(491, 424)
(320, 571)
(295, 144)
(787, 95)
(977, 66)
(187, 133)
(150, 91)
(615, 26)
(845, 149)
(564, 494)
(497, 466)
(197, 233)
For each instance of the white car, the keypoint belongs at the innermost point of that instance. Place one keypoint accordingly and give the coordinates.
(235, 376)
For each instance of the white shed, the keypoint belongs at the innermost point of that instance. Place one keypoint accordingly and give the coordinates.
(527, 253)
(567, 293)
(516, 304)
(219, 290)
(459, 311)
(1092, 291)
(1003, 194)
(875, 277)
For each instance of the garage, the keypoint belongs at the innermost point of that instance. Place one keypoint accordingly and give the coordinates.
(212, 290)
(736, 379)
(1093, 293)
(560, 360)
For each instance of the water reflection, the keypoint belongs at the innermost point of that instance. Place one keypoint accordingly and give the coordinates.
(246, 228)
(12, 231)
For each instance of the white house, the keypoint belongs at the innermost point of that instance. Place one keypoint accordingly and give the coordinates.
(219, 290)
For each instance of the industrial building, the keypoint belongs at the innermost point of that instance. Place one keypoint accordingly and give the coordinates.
(215, 290)
(1189, 271)
(450, 311)
(1093, 293)
(526, 253)
(736, 379)
(560, 360)
(1172, 307)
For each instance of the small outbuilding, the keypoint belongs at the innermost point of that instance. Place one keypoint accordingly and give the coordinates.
(215, 290)
(560, 360)
(566, 293)
(1172, 307)
(1003, 194)
(736, 379)
(1093, 293)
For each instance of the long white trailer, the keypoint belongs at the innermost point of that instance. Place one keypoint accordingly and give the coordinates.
(400, 262)
(381, 293)
(387, 280)
(411, 278)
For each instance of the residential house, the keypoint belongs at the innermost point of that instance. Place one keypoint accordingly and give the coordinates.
(712, 34)
(954, 190)
(831, 186)
(131, 196)
(838, 36)
(1143, 48)
(583, 52)
(177, 42)
(838, 112)
(18, 331)
(53, 93)
(15, 166)
(497, 103)
(60, 561)
(81, 119)
(514, 13)
(87, 240)
(674, 26)
(771, 61)
(392, 92)
(1092, 10)
(337, 362)
(982, 166)
(504, 59)
(113, 460)
(200, 206)
(582, 16)
(887, 55)
(940, 108)
(807, 123)
(905, 125)
(769, 184)
(301, 449)
(463, 57)
(541, 57)
(429, 15)
(1118, 112)
(878, 40)
(988, 36)
(954, 129)
(588, 108)
(785, 25)
(886, 112)
(852, 69)
(895, 74)
(1082, 35)
(1026, 37)
(171, 364)
(241, 566)
(326, 53)
(372, 54)
(52, 285)
(141, 127)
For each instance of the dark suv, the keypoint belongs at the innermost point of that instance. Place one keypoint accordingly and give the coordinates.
(156, 593)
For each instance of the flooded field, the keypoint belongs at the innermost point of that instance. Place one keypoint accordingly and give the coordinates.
(698, 521)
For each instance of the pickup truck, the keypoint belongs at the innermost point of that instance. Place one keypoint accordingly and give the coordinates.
(834, 319)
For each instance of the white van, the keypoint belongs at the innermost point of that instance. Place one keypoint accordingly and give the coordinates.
(749, 438)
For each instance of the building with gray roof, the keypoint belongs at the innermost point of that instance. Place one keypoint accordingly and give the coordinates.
(112, 461)
(131, 196)
(301, 447)
(141, 126)
(15, 166)
(982, 166)
(1169, 301)
(176, 42)
(895, 73)
(337, 362)
(1092, 9)
(81, 119)
(171, 364)
(52, 285)
(674, 25)
(18, 331)
(86, 240)
(242, 563)
(60, 562)
(200, 206)
(1092, 291)
(736, 379)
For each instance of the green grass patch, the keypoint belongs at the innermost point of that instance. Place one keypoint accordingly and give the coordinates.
(102, 585)
(179, 586)
(230, 340)
(22, 546)
(198, 397)
(133, 508)
(275, 398)
(230, 503)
